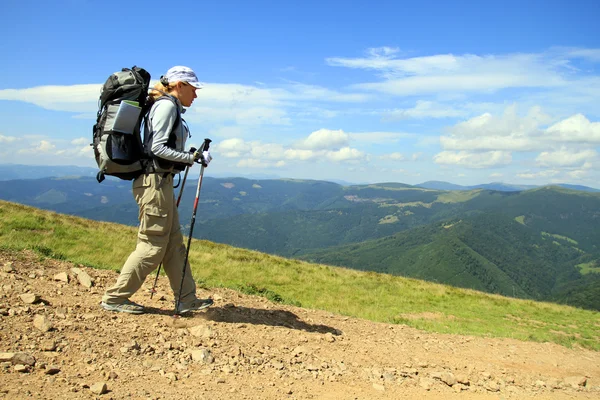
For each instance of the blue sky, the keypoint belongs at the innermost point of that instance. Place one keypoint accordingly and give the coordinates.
(377, 91)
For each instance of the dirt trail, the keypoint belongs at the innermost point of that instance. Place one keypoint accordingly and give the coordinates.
(57, 343)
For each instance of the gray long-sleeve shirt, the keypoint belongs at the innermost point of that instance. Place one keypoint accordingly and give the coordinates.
(162, 118)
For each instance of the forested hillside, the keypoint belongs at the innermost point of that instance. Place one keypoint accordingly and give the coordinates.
(489, 251)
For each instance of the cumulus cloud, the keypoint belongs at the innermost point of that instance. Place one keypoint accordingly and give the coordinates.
(319, 145)
(299, 154)
(473, 160)
(345, 154)
(576, 128)
(511, 132)
(325, 139)
(565, 158)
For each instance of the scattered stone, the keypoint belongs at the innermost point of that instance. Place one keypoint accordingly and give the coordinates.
(492, 386)
(29, 298)
(6, 357)
(203, 356)
(426, 383)
(462, 378)
(171, 376)
(84, 279)
(201, 331)
(48, 345)
(21, 368)
(379, 387)
(299, 350)
(459, 387)
(52, 370)
(61, 277)
(42, 323)
(389, 376)
(99, 388)
(23, 358)
(235, 351)
(8, 267)
(575, 381)
(278, 365)
(448, 378)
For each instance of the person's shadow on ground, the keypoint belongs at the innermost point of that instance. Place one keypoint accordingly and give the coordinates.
(258, 316)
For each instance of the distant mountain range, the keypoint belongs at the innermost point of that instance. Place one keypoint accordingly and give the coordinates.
(503, 187)
(19, 171)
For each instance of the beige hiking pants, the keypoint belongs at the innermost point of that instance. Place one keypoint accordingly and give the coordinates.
(159, 240)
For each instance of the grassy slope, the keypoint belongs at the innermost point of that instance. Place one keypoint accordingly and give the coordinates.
(378, 297)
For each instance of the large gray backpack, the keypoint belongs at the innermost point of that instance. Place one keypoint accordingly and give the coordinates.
(116, 136)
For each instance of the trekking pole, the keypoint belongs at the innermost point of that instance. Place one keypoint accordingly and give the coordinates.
(153, 290)
(203, 148)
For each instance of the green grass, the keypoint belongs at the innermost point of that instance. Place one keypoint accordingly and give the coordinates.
(588, 268)
(567, 239)
(458, 196)
(368, 295)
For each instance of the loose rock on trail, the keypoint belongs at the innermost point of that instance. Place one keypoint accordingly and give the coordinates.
(57, 343)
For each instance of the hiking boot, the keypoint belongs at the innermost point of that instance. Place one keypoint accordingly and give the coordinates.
(197, 304)
(126, 307)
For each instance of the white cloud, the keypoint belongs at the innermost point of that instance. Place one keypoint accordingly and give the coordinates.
(541, 174)
(230, 131)
(259, 164)
(576, 128)
(379, 137)
(219, 102)
(74, 98)
(473, 160)
(8, 139)
(271, 151)
(239, 115)
(565, 158)
(465, 73)
(345, 154)
(325, 139)
(511, 132)
(232, 148)
(510, 123)
(393, 156)
(299, 154)
(423, 109)
(81, 141)
(45, 147)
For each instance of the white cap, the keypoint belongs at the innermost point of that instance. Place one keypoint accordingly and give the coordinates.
(183, 74)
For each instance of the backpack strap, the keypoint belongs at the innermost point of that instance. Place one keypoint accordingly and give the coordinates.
(171, 141)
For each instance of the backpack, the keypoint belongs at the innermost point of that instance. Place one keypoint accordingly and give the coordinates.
(117, 144)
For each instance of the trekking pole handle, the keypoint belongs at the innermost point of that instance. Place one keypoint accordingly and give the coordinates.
(205, 145)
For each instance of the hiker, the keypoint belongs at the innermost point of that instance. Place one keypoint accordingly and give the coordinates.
(159, 235)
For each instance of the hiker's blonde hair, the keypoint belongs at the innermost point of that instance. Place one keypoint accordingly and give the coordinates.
(159, 90)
